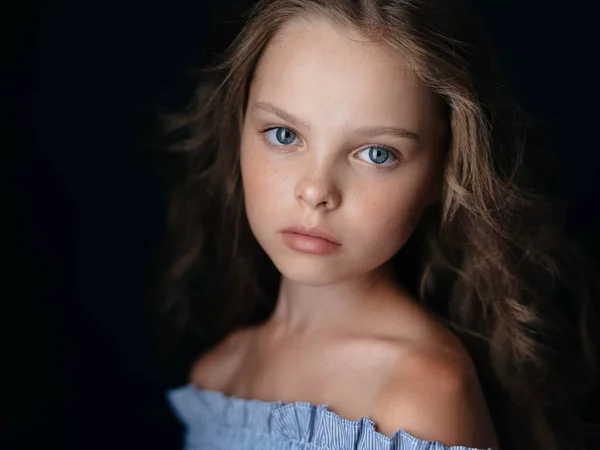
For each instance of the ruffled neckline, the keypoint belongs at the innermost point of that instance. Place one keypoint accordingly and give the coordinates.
(201, 410)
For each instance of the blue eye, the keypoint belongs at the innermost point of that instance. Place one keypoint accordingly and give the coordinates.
(378, 155)
(280, 136)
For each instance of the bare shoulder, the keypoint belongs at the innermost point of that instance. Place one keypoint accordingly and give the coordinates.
(215, 367)
(433, 393)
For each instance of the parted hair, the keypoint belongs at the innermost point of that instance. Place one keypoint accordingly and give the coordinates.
(490, 259)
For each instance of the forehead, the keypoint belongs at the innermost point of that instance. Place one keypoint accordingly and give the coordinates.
(314, 68)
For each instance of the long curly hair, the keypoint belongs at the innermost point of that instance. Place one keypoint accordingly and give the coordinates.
(490, 260)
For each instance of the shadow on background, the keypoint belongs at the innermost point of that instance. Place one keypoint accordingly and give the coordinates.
(87, 217)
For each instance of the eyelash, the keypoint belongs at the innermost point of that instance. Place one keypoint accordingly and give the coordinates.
(263, 132)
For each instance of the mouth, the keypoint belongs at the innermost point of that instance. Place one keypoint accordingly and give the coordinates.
(313, 232)
(314, 241)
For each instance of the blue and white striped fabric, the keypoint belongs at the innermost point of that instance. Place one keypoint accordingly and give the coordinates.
(215, 421)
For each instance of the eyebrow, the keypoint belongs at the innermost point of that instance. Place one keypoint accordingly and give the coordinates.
(269, 108)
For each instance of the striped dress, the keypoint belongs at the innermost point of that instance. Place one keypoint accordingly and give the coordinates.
(215, 421)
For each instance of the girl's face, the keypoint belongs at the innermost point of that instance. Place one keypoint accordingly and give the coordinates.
(337, 140)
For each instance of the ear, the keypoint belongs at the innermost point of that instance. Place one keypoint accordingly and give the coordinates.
(434, 196)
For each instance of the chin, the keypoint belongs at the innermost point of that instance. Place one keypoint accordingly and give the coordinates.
(308, 271)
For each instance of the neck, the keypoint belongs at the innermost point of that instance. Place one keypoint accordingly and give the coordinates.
(303, 309)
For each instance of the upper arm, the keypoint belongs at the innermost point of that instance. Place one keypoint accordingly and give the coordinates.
(436, 401)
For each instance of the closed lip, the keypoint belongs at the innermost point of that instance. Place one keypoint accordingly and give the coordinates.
(312, 232)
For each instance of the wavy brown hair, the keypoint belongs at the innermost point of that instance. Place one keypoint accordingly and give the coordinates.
(490, 259)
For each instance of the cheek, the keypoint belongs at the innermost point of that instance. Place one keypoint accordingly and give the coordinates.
(264, 185)
(386, 220)
(402, 219)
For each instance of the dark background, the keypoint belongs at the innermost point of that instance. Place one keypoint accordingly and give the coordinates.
(86, 206)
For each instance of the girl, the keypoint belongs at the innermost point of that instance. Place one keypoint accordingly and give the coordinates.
(378, 265)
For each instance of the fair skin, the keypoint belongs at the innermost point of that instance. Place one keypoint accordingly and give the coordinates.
(338, 136)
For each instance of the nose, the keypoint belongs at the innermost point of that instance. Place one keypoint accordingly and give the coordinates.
(318, 193)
